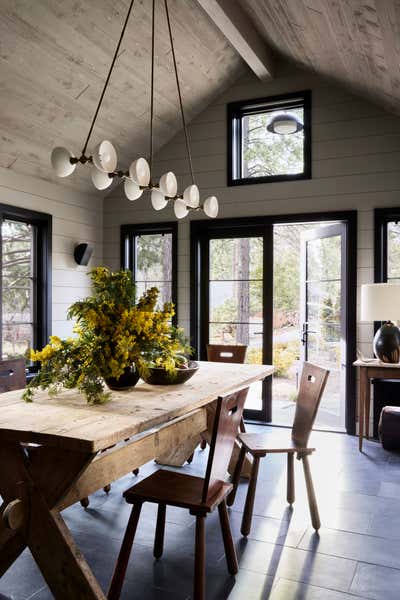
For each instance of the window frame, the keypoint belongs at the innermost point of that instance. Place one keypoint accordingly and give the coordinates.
(236, 110)
(43, 266)
(129, 232)
(382, 216)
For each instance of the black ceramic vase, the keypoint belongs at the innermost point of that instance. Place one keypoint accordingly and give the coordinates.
(127, 381)
(387, 343)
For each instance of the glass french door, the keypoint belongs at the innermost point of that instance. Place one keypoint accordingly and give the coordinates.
(322, 317)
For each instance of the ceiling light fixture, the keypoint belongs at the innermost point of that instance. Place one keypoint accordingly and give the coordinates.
(137, 178)
(285, 123)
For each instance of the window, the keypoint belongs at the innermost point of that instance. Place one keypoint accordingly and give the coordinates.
(150, 252)
(387, 245)
(257, 155)
(25, 263)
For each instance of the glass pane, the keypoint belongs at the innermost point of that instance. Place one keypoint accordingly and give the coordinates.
(236, 258)
(239, 333)
(154, 257)
(323, 302)
(165, 290)
(265, 153)
(393, 250)
(18, 281)
(239, 301)
(323, 258)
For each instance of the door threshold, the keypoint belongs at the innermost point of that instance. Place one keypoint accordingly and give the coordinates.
(330, 430)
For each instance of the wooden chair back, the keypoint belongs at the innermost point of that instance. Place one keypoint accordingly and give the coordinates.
(312, 385)
(227, 418)
(12, 375)
(226, 353)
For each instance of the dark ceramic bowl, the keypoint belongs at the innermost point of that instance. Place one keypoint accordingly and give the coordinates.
(159, 376)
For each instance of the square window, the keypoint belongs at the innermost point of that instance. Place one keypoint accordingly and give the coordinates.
(269, 139)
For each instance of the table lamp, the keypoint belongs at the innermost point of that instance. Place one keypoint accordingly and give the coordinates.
(381, 302)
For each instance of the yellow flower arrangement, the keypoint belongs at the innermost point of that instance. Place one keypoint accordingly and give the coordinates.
(113, 334)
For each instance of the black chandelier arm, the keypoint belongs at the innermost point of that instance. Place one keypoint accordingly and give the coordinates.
(108, 78)
(179, 92)
(151, 152)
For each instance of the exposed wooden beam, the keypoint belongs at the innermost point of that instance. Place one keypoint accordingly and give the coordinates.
(241, 33)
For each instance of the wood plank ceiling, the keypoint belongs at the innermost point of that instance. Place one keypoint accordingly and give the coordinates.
(54, 56)
(354, 42)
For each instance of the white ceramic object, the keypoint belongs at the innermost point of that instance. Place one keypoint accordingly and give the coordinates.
(168, 184)
(191, 196)
(105, 157)
(100, 180)
(139, 171)
(211, 206)
(180, 209)
(158, 200)
(132, 190)
(60, 161)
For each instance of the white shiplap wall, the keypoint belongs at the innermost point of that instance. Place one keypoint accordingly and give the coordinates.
(76, 218)
(356, 165)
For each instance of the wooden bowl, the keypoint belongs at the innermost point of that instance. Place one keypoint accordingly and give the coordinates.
(159, 376)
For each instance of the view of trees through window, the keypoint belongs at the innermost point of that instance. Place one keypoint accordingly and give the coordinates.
(154, 264)
(18, 281)
(265, 153)
(393, 251)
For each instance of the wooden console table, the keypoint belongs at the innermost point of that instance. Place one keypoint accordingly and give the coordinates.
(373, 369)
(57, 450)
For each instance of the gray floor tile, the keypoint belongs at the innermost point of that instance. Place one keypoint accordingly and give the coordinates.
(379, 583)
(292, 590)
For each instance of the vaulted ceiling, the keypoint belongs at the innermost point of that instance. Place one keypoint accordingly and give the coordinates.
(54, 56)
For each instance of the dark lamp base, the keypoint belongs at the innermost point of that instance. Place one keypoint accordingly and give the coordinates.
(387, 343)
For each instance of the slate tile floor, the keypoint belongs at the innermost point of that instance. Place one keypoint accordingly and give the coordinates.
(355, 555)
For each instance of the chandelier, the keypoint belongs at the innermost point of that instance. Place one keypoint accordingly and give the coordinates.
(138, 178)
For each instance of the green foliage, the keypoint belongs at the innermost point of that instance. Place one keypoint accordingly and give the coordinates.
(284, 356)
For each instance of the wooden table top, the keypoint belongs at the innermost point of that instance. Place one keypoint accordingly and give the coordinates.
(67, 421)
(375, 362)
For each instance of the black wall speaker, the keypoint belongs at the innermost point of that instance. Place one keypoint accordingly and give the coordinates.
(82, 254)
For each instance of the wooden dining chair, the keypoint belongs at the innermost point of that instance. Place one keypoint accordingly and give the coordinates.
(12, 374)
(312, 385)
(199, 495)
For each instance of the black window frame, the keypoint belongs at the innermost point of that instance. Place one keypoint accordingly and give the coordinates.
(129, 232)
(235, 112)
(43, 268)
(382, 216)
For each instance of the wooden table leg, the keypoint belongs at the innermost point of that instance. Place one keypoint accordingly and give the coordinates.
(364, 400)
(41, 528)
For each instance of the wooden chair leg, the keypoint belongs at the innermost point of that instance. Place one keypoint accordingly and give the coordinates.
(160, 528)
(242, 426)
(135, 472)
(107, 488)
(190, 459)
(290, 494)
(236, 476)
(251, 492)
(118, 577)
(312, 501)
(203, 444)
(199, 586)
(230, 552)
(84, 502)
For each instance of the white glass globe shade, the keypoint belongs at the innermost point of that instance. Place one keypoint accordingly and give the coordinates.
(191, 196)
(157, 200)
(210, 206)
(100, 180)
(139, 171)
(60, 161)
(180, 209)
(105, 157)
(168, 184)
(132, 190)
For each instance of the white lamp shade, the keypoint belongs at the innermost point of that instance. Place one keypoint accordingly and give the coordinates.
(180, 209)
(157, 200)
(132, 190)
(100, 180)
(168, 184)
(284, 124)
(191, 196)
(105, 157)
(380, 302)
(61, 163)
(139, 171)
(210, 206)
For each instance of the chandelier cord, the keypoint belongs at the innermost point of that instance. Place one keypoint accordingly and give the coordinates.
(179, 92)
(152, 88)
(108, 77)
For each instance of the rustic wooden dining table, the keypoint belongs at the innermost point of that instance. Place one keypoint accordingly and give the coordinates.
(57, 450)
